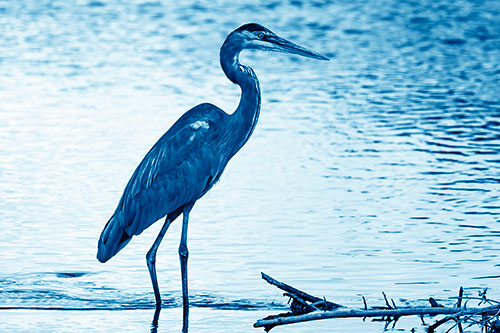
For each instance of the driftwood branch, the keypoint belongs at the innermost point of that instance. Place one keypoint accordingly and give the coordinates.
(301, 295)
(306, 307)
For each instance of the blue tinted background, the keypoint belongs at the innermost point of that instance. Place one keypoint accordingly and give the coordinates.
(376, 171)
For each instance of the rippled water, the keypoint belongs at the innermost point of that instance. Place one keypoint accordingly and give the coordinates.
(377, 171)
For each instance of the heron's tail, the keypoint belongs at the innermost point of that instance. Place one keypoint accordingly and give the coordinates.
(113, 239)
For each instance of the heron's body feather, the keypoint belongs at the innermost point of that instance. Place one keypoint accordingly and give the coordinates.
(168, 177)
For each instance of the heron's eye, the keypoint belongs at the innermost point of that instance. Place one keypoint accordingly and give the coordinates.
(260, 35)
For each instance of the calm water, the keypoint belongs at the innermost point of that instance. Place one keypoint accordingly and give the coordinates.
(376, 171)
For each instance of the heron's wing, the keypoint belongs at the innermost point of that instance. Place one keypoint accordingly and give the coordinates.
(178, 170)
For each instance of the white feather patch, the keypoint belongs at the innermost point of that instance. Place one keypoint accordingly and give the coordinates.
(199, 124)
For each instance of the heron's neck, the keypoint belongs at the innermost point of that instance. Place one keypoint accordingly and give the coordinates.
(244, 119)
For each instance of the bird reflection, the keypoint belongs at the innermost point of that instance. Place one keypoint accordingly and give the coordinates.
(154, 323)
(156, 317)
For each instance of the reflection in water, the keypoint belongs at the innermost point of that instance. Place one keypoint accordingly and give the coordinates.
(154, 323)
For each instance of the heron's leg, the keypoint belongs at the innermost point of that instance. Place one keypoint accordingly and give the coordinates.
(183, 256)
(151, 255)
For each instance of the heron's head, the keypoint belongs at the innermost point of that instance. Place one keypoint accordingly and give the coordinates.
(255, 36)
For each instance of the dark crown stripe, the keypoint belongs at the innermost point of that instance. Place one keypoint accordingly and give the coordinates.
(251, 27)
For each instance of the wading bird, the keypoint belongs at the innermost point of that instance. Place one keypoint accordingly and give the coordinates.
(191, 156)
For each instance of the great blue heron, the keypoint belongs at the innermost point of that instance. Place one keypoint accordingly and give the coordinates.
(191, 156)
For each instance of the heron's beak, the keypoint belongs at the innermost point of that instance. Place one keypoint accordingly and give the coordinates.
(283, 45)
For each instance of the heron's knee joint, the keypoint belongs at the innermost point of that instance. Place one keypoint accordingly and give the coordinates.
(183, 252)
(150, 258)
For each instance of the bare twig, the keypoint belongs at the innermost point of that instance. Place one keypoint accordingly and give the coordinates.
(460, 294)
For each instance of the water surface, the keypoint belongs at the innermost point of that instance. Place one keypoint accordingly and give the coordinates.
(376, 171)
